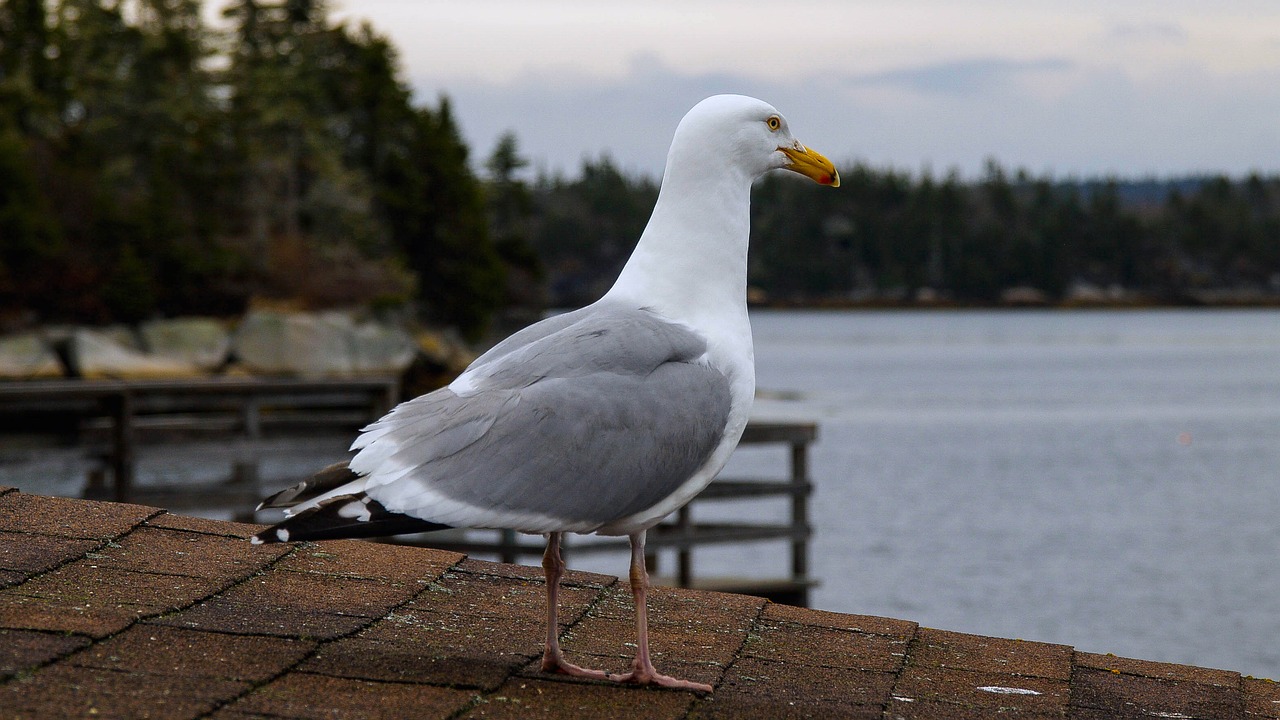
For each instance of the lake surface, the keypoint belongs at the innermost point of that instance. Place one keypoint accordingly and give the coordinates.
(1109, 480)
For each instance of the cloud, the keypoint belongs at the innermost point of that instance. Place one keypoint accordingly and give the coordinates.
(967, 75)
(563, 116)
(1095, 119)
(1152, 31)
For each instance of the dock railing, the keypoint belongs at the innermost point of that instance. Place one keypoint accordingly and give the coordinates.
(114, 415)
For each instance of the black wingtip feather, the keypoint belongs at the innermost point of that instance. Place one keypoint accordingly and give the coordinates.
(345, 516)
(330, 478)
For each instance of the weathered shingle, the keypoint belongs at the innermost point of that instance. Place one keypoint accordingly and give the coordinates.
(125, 611)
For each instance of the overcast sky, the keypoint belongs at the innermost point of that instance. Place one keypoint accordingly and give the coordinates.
(1083, 88)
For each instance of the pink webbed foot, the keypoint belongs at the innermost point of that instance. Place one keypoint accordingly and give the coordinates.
(646, 674)
(639, 675)
(554, 662)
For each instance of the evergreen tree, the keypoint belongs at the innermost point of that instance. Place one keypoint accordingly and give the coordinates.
(584, 229)
(437, 218)
(510, 211)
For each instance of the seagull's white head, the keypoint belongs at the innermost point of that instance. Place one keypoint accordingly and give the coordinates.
(691, 262)
(748, 134)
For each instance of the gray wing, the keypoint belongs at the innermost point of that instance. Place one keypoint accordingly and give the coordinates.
(532, 333)
(597, 419)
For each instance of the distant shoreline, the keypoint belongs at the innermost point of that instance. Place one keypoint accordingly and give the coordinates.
(1262, 303)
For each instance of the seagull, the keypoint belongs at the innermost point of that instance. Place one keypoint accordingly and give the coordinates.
(601, 420)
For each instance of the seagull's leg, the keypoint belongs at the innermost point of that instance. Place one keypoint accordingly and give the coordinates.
(552, 658)
(642, 670)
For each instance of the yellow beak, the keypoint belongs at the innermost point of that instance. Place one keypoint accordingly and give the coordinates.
(811, 164)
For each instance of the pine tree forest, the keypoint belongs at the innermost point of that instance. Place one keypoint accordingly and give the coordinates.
(152, 165)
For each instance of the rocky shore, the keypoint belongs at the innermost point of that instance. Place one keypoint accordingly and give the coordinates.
(262, 342)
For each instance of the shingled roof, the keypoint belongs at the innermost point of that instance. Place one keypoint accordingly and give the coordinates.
(112, 610)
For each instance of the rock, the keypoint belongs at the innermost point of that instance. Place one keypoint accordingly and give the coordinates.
(381, 349)
(285, 343)
(445, 348)
(320, 344)
(203, 342)
(125, 336)
(441, 356)
(95, 355)
(1023, 295)
(1083, 293)
(26, 356)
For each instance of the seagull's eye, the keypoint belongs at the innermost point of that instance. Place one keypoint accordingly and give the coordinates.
(774, 122)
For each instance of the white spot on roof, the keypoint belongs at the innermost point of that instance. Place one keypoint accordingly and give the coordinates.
(997, 689)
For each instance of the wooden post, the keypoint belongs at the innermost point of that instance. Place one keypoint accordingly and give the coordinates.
(244, 472)
(385, 399)
(800, 515)
(684, 556)
(251, 415)
(122, 457)
(507, 547)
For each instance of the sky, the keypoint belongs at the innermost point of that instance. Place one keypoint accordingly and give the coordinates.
(1131, 88)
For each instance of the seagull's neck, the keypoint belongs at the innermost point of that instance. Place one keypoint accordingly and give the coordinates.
(691, 261)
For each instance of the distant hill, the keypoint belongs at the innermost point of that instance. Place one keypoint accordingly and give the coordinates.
(1144, 191)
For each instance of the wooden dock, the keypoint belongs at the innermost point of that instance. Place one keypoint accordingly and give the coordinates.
(126, 413)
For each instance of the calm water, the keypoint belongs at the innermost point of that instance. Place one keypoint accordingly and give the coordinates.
(1109, 480)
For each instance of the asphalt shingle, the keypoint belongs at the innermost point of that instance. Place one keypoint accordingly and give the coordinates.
(126, 611)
